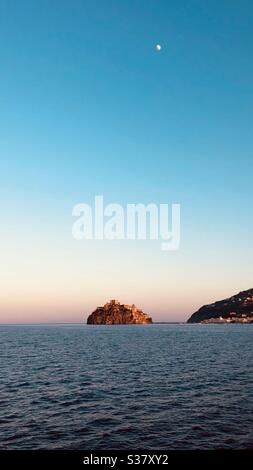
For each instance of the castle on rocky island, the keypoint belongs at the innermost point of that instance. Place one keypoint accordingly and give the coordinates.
(115, 313)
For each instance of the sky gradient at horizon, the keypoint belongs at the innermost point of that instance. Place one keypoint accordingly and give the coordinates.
(88, 107)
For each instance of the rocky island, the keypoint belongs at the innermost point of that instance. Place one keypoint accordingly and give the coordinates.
(115, 313)
(235, 309)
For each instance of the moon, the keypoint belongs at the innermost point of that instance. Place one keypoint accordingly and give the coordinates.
(158, 47)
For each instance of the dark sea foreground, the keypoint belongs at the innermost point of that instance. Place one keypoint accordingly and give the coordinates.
(126, 387)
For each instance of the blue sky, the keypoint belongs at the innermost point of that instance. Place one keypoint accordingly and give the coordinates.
(87, 107)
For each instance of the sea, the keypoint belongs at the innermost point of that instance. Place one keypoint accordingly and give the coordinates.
(160, 386)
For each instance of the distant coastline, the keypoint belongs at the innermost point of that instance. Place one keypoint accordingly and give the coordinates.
(235, 309)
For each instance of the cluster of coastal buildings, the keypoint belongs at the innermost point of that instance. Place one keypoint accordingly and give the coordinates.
(114, 302)
(235, 309)
(233, 318)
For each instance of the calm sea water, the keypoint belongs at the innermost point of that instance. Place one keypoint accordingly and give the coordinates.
(126, 387)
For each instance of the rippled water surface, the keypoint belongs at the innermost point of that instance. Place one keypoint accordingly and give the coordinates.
(116, 387)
